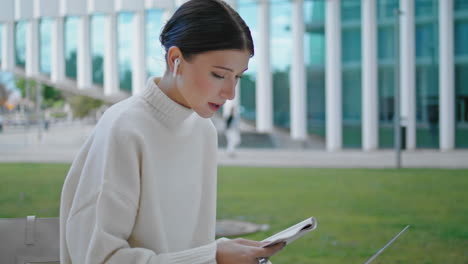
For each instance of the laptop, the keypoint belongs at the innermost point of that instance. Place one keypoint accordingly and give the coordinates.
(386, 245)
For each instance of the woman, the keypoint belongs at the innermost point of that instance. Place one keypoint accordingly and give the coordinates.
(143, 187)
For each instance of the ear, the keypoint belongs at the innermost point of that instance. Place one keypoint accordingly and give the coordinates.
(172, 54)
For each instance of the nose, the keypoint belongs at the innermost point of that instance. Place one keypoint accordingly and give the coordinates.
(229, 91)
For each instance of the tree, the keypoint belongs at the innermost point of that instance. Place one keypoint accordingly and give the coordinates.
(50, 94)
(4, 95)
(83, 105)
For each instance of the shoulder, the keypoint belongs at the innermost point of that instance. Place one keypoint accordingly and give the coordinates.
(123, 118)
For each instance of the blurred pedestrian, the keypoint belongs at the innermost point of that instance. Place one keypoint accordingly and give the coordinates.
(233, 135)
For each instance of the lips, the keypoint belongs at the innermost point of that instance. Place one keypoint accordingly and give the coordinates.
(214, 107)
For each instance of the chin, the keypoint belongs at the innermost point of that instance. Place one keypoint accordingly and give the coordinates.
(205, 115)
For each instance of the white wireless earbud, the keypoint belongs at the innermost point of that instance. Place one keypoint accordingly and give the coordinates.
(176, 65)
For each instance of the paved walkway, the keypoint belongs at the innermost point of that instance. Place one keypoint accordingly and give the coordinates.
(61, 143)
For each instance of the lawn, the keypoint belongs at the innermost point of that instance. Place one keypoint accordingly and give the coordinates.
(358, 210)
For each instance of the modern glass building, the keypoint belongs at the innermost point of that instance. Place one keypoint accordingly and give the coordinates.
(327, 69)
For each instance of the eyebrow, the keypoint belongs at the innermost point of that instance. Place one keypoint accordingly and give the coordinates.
(227, 69)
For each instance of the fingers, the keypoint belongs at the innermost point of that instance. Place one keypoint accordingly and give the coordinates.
(269, 251)
(247, 242)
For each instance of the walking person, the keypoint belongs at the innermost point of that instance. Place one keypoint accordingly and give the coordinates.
(233, 135)
(143, 187)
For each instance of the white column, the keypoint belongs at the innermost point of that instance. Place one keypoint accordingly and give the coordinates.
(333, 75)
(407, 72)
(138, 58)
(57, 50)
(298, 79)
(446, 76)
(8, 49)
(111, 81)
(84, 53)
(264, 94)
(370, 111)
(32, 48)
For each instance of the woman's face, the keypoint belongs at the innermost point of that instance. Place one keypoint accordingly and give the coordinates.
(209, 79)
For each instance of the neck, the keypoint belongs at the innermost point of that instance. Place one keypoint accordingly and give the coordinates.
(167, 84)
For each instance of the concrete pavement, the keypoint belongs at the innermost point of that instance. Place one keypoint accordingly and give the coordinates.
(62, 142)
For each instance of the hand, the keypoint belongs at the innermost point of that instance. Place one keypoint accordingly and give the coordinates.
(243, 251)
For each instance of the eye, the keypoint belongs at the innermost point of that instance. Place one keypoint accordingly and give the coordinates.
(239, 77)
(217, 76)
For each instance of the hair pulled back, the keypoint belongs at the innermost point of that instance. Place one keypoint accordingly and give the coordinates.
(206, 25)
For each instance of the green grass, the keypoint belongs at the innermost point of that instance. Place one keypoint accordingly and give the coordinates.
(358, 210)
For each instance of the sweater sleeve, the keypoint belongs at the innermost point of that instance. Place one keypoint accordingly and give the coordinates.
(105, 207)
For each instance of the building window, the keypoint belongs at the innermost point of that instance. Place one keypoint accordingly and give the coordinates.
(351, 73)
(124, 25)
(314, 52)
(427, 74)
(155, 61)
(45, 29)
(386, 63)
(281, 57)
(248, 10)
(461, 72)
(20, 43)
(71, 34)
(97, 48)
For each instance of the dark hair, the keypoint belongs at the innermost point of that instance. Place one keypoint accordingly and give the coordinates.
(206, 25)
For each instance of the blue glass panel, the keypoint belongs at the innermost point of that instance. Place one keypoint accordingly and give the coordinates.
(314, 52)
(155, 62)
(45, 28)
(386, 9)
(350, 10)
(425, 37)
(97, 48)
(427, 74)
(351, 48)
(248, 9)
(425, 8)
(351, 73)
(461, 37)
(461, 73)
(124, 25)
(1, 43)
(386, 61)
(460, 5)
(20, 43)
(71, 34)
(461, 105)
(281, 55)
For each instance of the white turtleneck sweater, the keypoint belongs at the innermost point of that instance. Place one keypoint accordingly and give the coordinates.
(143, 187)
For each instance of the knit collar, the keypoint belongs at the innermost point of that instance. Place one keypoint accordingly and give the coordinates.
(166, 109)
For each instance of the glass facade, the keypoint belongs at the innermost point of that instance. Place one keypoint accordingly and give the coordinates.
(124, 26)
(351, 72)
(386, 63)
(1, 43)
(97, 48)
(155, 61)
(314, 53)
(281, 46)
(45, 29)
(281, 58)
(461, 72)
(427, 74)
(71, 34)
(20, 43)
(248, 10)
